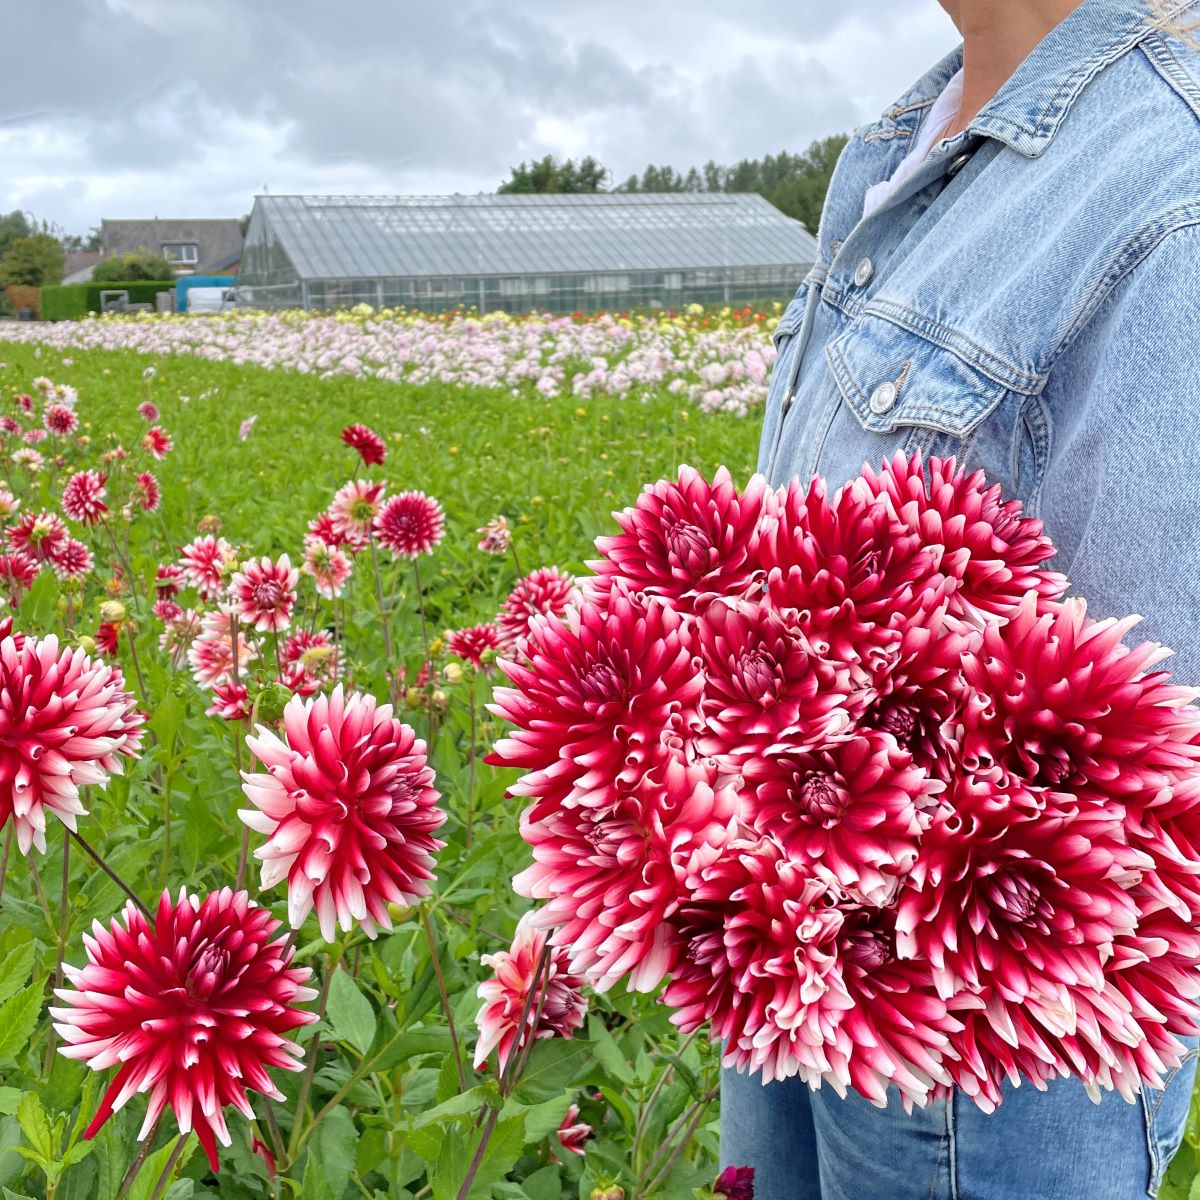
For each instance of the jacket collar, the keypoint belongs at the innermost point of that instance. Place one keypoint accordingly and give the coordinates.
(1028, 110)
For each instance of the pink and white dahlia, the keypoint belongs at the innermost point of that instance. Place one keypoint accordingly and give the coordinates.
(528, 968)
(8, 504)
(83, 497)
(574, 1133)
(65, 723)
(598, 700)
(207, 562)
(764, 687)
(157, 442)
(410, 524)
(108, 638)
(328, 566)
(687, 542)
(369, 446)
(38, 534)
(60, 420)
(612, 870)
(851, 812)
(148, 411)
(497, 536)
(231, 702)
(471, 644)
(29, 459)
(263, 592)
(994, 555)
(349, 810)
(72, 560)
(312, 661)
(213, 655)
(169, 580)
(1059, 701)
(194, 1007)
(18, 570)
(544, 592)
(354, 508)
(760, 962)
(147, 495)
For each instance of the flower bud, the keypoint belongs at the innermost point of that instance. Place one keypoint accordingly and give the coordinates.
(453, 673)
(87, 644)
(608, 1191)
(112, 610)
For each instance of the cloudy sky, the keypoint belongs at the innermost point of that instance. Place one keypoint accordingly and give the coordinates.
(138, 108)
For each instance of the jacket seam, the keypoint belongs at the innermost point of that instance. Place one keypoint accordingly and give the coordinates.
(1166, 63)
(1137, 250)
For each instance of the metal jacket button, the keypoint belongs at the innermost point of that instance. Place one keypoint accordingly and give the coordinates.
(958, 164)
(863, 272)
(883, 398)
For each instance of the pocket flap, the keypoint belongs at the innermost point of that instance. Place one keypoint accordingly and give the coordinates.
(792, 316)
(933, 386)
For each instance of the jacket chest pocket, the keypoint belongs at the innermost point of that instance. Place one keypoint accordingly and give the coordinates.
(899, 390)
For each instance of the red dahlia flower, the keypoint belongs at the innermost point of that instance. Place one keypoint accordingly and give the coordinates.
(595, 704)
(370, 446)
(157, 441)
(355, 506)
(852, 812)
(574, 1133)
(470, 644)
(612, 871)
(735, 1183)
(264, 593)
(146, 492)
(108, 638)
(546, 591)
(557, 1009)
(349, 810)
(410, 524)
(65, 722)
(764, 687)
(83, 497)
(993, 554)
(687, 542)
(760, 964)
(194, 1008)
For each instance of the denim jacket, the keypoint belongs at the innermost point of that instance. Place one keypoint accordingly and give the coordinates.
(1029, 301)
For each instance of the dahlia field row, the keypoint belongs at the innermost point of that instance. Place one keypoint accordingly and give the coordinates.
(258, 929)
(716, 361)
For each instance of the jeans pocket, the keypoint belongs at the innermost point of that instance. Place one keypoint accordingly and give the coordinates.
(1166, 1114)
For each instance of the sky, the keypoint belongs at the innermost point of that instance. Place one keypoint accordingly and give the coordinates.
(142, 108)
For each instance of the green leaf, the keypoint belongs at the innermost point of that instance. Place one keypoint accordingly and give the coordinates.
(1194, 1190)
(553, 1064)
(17, 963)
(35, 1125)
(350, 1013)
(335, 1139)
(545, 1184)
(17, 1020)
(541, 1120)
(461, 1105)
(314, 1185)
(153, 1167)
(10, 1097)
(607, 1052)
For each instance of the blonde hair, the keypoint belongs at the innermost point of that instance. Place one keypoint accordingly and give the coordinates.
(1175, 25)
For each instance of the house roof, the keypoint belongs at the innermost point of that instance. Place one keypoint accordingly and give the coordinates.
(347, 237)
(216, 239)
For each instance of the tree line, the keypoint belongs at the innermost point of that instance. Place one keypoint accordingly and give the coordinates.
(794, 183)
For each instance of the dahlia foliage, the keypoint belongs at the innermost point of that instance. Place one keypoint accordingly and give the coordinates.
(849, 773)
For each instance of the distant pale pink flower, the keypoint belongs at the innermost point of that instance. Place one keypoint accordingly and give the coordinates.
(28, 459)
(148, 411)
(245, 427)
(496, 536)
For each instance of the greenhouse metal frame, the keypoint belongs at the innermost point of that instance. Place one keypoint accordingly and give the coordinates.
(516, 253)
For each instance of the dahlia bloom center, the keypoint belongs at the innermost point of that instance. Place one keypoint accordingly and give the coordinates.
(691, 548)
(601, 684)
(759, 676)
(900, 720)
(267, 594)
(1015, 898)
(822, 798)
(867, 950)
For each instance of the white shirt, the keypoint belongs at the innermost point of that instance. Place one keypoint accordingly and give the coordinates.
(940, 115)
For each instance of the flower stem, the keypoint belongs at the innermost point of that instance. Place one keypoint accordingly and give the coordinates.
(8, 837)
(480, 1150)
(137, 666)
(435, 960)
(383, 618)
(138, 1159)
(672, 1155)
(98, 858)
(165, 1178)
(427, 661)
(512, 548)
(470, 835)
(310, 1064)
(64, 912)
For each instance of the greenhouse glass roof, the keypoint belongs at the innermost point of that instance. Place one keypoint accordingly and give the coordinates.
(349, 237)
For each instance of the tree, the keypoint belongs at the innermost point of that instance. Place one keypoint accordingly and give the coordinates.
(13, 225)
(33, 261)
(548, 175)
(129, 268)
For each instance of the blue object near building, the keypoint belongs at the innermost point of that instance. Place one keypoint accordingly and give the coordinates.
(182, 286)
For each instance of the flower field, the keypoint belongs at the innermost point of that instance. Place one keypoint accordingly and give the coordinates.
(209, 580)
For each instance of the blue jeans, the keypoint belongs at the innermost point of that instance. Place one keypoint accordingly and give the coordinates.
(1053, 1145)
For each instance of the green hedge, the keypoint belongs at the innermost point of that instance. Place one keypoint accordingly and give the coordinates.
(71, 301)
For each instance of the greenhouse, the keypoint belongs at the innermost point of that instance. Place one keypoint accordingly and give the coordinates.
(513, 253)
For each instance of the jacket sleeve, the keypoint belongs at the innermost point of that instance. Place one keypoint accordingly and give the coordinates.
(1121, 494)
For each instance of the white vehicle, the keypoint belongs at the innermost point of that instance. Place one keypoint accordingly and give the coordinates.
(210, 299)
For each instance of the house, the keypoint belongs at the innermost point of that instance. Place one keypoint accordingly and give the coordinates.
(79, 265)
(202, 246)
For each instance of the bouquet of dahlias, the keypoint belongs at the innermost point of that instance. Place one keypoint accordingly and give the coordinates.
(851, 775)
